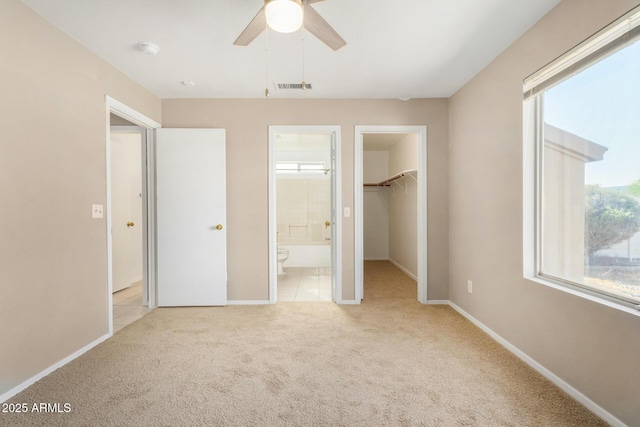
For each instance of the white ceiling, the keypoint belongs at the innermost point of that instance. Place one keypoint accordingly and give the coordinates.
(395, 49)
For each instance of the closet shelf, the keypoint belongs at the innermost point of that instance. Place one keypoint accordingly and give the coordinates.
(387, 182)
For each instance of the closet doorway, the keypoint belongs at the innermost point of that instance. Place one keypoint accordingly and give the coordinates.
(390, 201)
(304, 230)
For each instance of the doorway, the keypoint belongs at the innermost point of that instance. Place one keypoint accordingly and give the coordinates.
(131, 271)
(130, 293)
(304, 230)
(390, 184)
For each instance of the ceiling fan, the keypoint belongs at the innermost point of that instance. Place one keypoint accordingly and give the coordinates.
(287, 16)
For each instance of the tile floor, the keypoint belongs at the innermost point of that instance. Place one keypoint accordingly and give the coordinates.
(127, 306)
(304, 284)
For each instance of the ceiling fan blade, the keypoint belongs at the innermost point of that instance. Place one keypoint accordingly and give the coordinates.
(255, 27)
(321, 29)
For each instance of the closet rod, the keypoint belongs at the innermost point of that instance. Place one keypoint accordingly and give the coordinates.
(387, 182)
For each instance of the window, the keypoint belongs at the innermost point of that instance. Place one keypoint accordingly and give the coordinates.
(582, 123)
(301, 168)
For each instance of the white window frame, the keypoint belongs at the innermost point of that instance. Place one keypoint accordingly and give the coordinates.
(609, 40)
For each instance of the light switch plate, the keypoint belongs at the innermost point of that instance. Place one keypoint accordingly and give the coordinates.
(347, 212)
(97, 211)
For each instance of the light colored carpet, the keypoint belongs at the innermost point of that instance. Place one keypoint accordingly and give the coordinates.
(389, 361)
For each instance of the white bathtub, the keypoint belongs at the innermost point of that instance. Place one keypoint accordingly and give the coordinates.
(308, 255)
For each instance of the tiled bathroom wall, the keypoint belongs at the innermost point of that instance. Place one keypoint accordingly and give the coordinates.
(303, 207)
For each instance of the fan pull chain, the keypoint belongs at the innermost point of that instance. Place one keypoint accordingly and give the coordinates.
(304, 85)
(266, 63)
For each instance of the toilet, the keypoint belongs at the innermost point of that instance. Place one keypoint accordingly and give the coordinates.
(283, 255)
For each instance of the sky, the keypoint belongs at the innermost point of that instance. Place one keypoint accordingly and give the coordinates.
(602, 104)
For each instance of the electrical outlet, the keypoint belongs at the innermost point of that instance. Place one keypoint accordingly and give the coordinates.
(470, 286)
(97, 211)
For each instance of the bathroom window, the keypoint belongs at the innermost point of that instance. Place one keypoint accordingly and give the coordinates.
(582, 122)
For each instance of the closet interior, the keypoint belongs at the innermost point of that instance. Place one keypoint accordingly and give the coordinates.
(390, 203)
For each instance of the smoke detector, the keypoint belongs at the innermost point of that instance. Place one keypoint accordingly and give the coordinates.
(148, 48)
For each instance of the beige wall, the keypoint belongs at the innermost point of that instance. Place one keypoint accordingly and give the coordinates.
(375, 219)
(404, 154)
(375, 205)
(592, 347)
(53, 256)
(375, 166)
(247, 121)
(403, 206)
(403, 226)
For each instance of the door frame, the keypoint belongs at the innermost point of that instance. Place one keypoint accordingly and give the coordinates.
(421, 131)
(148, 195)
(336, 218)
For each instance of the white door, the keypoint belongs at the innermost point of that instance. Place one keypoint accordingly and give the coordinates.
(191, 217)
(126, 197)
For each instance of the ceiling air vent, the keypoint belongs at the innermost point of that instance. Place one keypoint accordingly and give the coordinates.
(294, 86)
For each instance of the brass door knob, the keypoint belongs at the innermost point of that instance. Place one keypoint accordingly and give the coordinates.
(219, 227)
(327, 224)
(130, 224)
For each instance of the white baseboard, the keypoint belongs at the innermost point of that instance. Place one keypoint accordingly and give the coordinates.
(348, 302)
(564, 386)
(404, 270)
(438, 302)
(376, 259)
(266, 302)
(248, 302)
(8, 395)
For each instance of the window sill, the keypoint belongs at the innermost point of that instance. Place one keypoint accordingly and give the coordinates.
(585, 295)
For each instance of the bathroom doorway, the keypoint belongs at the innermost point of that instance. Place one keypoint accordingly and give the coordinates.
(303, 200)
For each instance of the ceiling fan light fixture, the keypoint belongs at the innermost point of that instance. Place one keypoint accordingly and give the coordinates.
(284, 16)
